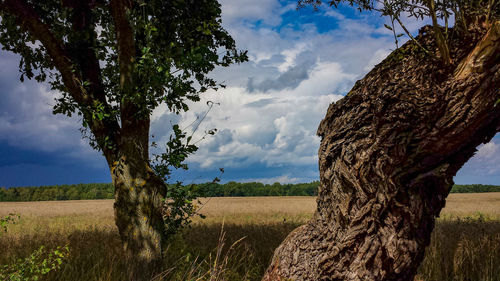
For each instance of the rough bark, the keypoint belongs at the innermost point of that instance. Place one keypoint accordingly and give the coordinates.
(139, 192)
(139, 197)
(387, 158)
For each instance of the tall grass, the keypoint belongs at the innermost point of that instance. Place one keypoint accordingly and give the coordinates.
(199, 253)
(463, 250)
(465, 244)
(459, 250)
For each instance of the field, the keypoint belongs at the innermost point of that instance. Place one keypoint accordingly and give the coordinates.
(465, 244)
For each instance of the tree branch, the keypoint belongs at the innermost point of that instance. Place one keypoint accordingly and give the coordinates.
(105, 130)
(440, 40)
(411, 37)
(126, 43)
(83, 48)
(135, 126)
(28, 19)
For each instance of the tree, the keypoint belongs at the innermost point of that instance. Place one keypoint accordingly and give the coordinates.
(390, 149)
(114, 61)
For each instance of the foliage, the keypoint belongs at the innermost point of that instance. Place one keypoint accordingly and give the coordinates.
(9, 219)
(474, 188)
(58, 192)
(40, 262)
(180, 206)
(113, 62)
(418, 9)
(177, 193)
(177, 43)
(181, 192)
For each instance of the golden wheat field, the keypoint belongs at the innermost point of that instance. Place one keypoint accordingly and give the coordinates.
(80, 214)
(464, 246)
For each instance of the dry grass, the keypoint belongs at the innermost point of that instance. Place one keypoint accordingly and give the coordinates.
(465, 244)
(472, 205)
(57, 216)
(249, 210)
(81, 214)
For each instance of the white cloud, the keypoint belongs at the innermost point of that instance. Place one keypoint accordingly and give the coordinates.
(378, 56)
(335, 14)
(270, 111)
(267, 11)
(283, 179)
(486, 161)
(488, 152)
(268, 114)
(290, 56)
(276, 133)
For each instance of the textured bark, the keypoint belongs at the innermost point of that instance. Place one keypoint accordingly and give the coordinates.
(139, 195)
(139, 192)
(387, 158)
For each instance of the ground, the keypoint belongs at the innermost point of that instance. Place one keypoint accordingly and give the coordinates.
(465, 244)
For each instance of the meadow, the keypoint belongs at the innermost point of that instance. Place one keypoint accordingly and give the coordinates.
(237, 239)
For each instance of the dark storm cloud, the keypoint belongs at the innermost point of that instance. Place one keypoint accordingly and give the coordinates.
(261, 103)
(289, 79)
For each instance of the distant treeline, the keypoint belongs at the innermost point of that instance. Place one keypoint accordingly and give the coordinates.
(106, 191)
(475, 188)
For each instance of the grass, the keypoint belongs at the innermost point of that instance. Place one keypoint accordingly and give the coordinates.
(237, 239)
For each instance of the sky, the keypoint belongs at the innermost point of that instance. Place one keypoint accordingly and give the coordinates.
(300, 61)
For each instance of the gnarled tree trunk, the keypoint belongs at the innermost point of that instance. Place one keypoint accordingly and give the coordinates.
(139, 195)
(387, 158)
(139, 198)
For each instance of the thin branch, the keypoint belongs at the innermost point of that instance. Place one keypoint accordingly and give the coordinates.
(394, 31)
(210, 106)
(411, 36)
(438, 35)
(491, 4)
(29, 20)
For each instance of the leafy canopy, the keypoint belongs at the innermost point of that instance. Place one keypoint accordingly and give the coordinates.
(176, 44)
(114, 62)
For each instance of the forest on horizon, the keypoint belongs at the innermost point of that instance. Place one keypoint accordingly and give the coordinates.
(229, 189)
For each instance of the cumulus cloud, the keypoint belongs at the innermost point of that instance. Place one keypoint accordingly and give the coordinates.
(486, 162)
(266, 11)
(283, 179)
(291, 75)
(266, 117)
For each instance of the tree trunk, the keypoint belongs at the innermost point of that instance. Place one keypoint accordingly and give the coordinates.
(139, 196)
(387, 158)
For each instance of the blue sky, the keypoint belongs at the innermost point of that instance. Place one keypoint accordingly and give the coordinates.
(300, 62)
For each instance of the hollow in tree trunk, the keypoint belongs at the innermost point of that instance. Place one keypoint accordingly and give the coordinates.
(387, 158)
